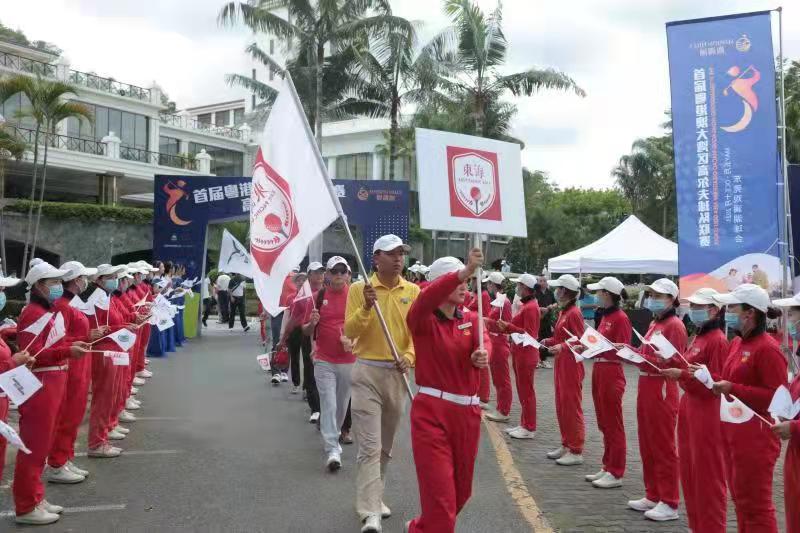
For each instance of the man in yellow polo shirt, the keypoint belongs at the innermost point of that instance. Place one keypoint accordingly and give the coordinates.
(378, 396)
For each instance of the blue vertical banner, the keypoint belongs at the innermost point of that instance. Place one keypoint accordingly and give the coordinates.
(722, 78)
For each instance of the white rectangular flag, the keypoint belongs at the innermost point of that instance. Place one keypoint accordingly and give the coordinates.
(782, 406)
(118, 358)
(500, 300)
(594, 342)
(162, 321)
(663, 347)
(20, 384)
(233, 257)
(629, 355)
(56, 333)
(84, 307)
(304, 293)
(37, 327)
(704, 377)
(11, 435)
(290, 202)
(263, 362)
(124, 339)
(735, 412)
(99, 299)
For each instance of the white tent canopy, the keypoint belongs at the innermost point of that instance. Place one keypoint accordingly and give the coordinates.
(630, 248)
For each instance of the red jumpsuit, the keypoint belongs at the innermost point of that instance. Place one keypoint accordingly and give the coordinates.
(77, 389)
(525, 359)
(484, 390)
(756, 367)
(657, 415)
(608, 387)
(568, 379)
(444, 434)
(700, 447)
(143, 333)
(6, 364)
(122, 388)
(501, 350)
(37, 416)
(791, 470)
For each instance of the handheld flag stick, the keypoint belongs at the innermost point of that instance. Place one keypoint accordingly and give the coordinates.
(479, 295)
(350, 237)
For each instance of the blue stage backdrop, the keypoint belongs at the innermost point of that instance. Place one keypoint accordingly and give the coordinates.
(185, 205)
(722, 77)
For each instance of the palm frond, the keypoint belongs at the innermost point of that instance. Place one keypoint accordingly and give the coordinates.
(259, 88)
(534, 80)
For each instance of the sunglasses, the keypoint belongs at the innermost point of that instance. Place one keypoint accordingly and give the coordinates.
(338, 271)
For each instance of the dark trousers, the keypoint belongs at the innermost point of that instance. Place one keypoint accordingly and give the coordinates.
(223, 300)
(237, 304)
(299, 344)
(275, 332)
(348, 422)
(208, 303)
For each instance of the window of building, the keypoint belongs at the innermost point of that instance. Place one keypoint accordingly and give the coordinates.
(169, 145)
(204, 119)
(354, 167)
(238, 116)
(224, 162)
(222, 118)
(131, 128)
(12, 106)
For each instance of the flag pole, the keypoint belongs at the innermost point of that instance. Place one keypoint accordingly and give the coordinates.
(479, 294)
(338, 205)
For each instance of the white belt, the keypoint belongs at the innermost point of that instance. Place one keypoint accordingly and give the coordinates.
(49, 369)
(607, 361)
(650, 374)
(454, 398)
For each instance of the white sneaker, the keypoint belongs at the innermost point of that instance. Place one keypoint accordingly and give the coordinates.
(521, 433)
(132, 405)
(386, 513)
(570, 459)
(314, 418)
(276, 380)
(334, 462)
(595, 477)
(137, 402)
(50, 508)
(547, 364)
(134, 391)
(121, 429)
(37, 517)
(641, 505)
(144, 374)
(661, 513)
(138, 382)
(497, 417)
(127, 416)
(608, 481)
(510, 429)
(63, 475)
(295, 389)
(284, 377)
(104, 451)
(372, 524)
(557, 453)
(115, 435)
(77, 470)
(146, 361)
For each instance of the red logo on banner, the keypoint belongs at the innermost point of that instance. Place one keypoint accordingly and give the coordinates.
(273, 223)
(474, 183)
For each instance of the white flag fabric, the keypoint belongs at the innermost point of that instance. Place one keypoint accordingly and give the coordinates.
(263, 362)
(124, 339)
(524, 339)
(118, 358)
(290, 203)
(639, 336)
(629, 355)
(664, 348)
(37, 327)
(163, 322)
(735, 412)
(594, 342)
(99, 299)
(13, 438)
(500, 300)
(233, 257)
(782, 406)
(19, 384)
(57, 332)
(84, 307)
(304, 293)
(704, 377)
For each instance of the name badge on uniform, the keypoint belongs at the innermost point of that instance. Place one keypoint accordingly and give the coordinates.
(405, 301)
(324, 302)
(465, 325)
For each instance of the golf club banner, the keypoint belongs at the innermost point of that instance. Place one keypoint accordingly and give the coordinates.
(722, 77)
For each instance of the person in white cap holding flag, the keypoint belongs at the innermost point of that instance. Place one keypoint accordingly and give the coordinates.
(445, 415)
(378, 388)
(754, 368)
(500, 309)
(700, 446)
(657, 407)
(568, 373)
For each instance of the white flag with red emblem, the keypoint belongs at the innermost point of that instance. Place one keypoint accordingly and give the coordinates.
(290, 202)
(304, 293)
(735, 412)
(595, 342)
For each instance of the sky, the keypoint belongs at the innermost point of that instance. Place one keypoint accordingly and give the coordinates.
(614, 49)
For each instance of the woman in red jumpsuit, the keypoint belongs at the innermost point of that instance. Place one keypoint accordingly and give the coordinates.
(754, 368)
(445, 415)
(657, 408)
(608, 382)
(500, 309)
(700, 446)
(568, 372)
(525, 358)
(790, 430)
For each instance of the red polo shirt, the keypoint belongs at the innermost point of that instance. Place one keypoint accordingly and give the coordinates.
(331, 328)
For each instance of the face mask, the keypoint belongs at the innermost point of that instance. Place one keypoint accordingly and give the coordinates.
(2, 300)
(732, 320)
(699, 316)
(56, 292)
(111, 284)
(654, 305)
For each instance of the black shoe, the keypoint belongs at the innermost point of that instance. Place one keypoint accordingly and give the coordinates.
(246, 329)
(205, 324)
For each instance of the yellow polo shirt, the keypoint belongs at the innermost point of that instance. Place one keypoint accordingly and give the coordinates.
(364, 327)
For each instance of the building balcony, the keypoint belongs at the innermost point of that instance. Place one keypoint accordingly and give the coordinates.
(108, 85)
(191, 123)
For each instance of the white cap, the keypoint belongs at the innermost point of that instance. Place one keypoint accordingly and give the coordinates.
(568, 281)
(444, 265)
(337, 260)
(75, 269)
(495, 277)
(704, 296)
(313, 267)
(146, 266)
(415, 268)
(610, 284)
(42, 271)
(526, 279)
(137, 268)
(296, 269)
(390, 242)
(35, 261)
(794, 301)
(110, 270)
(747, 293)
(9, 282)
(664, 286)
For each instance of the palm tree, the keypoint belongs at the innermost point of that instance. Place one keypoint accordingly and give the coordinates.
(11, 147)
(314, 25)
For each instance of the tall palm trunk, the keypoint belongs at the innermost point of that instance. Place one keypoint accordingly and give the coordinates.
(394, 131)
(41, 194)
(320, 60)
(24, 268)
(4, 266)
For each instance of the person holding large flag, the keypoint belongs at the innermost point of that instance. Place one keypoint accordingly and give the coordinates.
(753, 370)
(500, 309)
(445, 415)
(37, 416)
(608, 381)
(378, 385)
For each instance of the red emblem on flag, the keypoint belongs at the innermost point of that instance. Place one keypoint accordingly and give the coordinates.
(273, 223)
(474, 183)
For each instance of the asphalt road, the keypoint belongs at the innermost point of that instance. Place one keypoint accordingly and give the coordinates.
(218, 449)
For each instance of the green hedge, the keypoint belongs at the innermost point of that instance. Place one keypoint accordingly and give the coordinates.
(86, 212)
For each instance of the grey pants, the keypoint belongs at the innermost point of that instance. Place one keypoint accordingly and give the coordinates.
(333, 386)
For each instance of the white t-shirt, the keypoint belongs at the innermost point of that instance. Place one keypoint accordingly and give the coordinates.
(223, 280)
(238, 292)
(204, 288)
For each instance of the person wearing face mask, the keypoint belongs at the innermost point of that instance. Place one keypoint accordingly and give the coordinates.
(524, 358)
(156, 345)
(61, 469)
(754, 368)
(567, 372)
(789, 430)
(445, 415)
(499, 309)
(700, 447)
(485, 385)
(39, 413)
(657, 407)
(608, 381)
